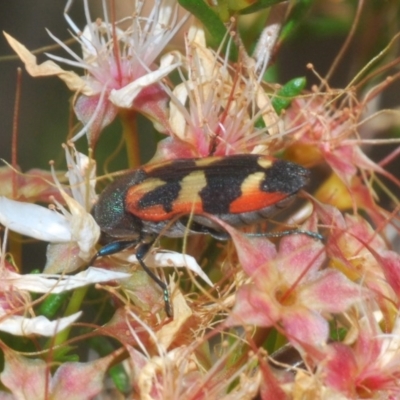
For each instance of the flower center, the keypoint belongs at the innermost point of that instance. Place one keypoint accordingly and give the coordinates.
(285, 295)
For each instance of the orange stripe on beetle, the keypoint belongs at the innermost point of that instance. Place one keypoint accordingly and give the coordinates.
(252, 198)
(186, 200)
(256, 201)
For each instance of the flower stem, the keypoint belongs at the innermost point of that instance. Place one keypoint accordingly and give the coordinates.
(74, 306)
(129, 127)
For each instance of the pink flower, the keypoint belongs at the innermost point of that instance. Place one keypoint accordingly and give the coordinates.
(369, 368)
(216, 108)
(120, 68)
(291, 292)
(328, 132)
(27, 378)
(185, 370)
(357, 250)
(34, 185)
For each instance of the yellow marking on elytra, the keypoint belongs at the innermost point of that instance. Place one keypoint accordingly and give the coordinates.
(252, 182)
(205, 162)
(191, 186)
(265, 162)
(148, 185)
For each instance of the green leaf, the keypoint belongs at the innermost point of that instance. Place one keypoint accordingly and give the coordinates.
(336, 333)
(207, 17)
(35, 271)
(52, 304)
(69, 358)
(212, 23)
(297, 13)
(222, 10)
(260, 5)
(259, 124)
(120, 378)
(117, 372)
(64, 354)
(394, 132)
(327, 26)
(270, 343)
(285, 95)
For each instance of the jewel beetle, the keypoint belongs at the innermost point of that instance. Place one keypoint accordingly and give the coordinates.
(162, 198)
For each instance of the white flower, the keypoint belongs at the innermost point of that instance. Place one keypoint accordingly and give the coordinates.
(74, 226)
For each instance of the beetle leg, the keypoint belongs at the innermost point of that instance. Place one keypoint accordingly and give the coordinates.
(112, 248)
(197, 227)
(141, 253)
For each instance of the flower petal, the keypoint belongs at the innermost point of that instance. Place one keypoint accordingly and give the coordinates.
(305, 326)
(301, 261)
(34, 221)
(340, 369)
(252, 251)
(21, 326)
(81, 175)
(25, 378)
(63, 258)
(28, 378)
(252, 307)
(125, 96)
(44, 283)
(172, 259)
(331, 291)
(182, 312)
(80, 381)
(95, 112)
(48, 68)
(84, 228)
